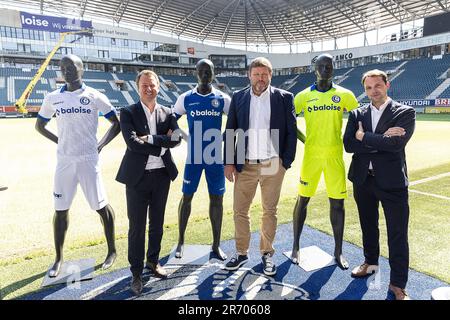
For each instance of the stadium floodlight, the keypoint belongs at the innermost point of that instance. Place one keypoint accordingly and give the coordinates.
(21, 103)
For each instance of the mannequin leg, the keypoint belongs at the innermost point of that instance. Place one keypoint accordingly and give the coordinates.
(60, 225)
(107, 218)
(337, 218)
(184, 211)
(215, 215)
(299, 217)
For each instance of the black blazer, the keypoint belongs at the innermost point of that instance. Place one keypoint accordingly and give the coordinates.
(133, 164)
(387, 154)
(282, 117)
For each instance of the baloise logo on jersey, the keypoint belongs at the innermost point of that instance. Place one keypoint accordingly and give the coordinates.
(324, 107)
(204, 113)
(73, 110)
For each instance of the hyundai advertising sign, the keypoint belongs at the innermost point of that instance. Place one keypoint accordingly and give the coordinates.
(52, 24)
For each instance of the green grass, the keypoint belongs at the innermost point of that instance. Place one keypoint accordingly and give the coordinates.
(433, 116)
(28, 160)
(439, 187)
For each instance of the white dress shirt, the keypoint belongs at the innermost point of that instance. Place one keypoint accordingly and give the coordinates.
(259, 141)
(153, 162)
(376, 115)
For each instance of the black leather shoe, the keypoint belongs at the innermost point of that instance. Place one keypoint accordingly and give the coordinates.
(157, 270)
(136, 285)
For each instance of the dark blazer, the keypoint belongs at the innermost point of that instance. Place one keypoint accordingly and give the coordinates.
(133, 164)
(386, 153)
(282, 117)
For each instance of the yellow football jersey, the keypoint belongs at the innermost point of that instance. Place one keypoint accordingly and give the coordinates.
(323, 116)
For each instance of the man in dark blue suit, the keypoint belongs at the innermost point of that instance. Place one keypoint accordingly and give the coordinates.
(147, 168)
(377, 135)
(260, 143)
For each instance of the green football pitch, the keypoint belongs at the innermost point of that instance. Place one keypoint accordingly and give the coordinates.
(27, 162)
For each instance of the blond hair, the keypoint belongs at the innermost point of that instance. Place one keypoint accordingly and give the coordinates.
(375, 73)
(148, 73)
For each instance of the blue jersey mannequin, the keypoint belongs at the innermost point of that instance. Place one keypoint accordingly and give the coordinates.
(204, 106)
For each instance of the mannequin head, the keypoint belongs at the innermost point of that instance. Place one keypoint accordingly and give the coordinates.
(72, 71)
(323, 68)
(205, 75)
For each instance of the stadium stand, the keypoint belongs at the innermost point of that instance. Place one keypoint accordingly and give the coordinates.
(420, 78)
(413, 79)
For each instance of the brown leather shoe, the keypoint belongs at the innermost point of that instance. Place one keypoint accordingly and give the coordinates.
(157, 270)
(136, 285)
(364, 270)
(400, 294)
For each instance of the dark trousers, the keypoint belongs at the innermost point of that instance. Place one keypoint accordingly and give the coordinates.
(149, 195)
(396, 211)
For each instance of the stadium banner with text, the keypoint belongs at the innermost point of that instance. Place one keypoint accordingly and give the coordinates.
(437, 110)
(11, 109)
(442, 102)
(425, 103)
(52, 24)
(418, 102)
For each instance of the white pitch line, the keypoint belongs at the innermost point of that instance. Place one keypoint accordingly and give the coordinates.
(439, 176)
(430, 194)
(254, 288)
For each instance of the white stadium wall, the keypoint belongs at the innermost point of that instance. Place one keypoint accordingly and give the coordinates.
(189, 49)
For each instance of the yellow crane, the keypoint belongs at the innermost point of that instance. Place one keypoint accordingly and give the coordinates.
(21, 103)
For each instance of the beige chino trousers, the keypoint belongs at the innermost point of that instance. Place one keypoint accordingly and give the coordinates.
(269, 174)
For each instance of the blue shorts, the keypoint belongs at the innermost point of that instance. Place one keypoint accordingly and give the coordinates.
(214, 177)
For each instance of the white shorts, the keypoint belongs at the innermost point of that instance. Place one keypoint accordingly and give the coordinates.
(87, 173)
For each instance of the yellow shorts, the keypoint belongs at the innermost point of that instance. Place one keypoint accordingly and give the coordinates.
(334, 173)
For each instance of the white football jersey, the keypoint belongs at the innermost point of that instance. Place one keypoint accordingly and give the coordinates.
(77, 115)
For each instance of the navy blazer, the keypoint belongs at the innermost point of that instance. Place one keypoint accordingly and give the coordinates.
(387, 154)
(282, 117)
(133, 164)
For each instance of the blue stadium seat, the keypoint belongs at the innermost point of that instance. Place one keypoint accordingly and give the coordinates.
(418, 78)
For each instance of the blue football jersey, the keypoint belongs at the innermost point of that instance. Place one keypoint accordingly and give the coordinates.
(204, 112)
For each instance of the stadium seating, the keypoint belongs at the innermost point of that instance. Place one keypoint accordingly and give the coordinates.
(420, 78)
(446, 93)
(353, 80)
(412, 79)
(234, 82)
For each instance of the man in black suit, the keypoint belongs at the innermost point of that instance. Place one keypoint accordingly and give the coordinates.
(149, 129)
(377, 135)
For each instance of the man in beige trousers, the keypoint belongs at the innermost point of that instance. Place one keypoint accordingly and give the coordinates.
(260, 144)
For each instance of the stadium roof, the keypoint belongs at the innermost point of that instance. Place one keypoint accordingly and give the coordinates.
(251, 21)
